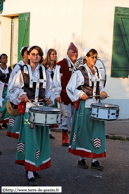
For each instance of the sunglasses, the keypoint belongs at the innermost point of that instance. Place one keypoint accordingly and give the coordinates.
(94, 57)
(33, 54)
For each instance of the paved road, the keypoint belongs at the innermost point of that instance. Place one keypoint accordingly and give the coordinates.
(64, 171)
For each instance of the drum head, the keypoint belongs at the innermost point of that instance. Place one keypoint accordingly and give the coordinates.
(104, 105)
(44, 109)
(101, 68)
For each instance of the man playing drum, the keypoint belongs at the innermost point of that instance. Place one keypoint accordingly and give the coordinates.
(87, 137)
(61, 77)
(34, 83)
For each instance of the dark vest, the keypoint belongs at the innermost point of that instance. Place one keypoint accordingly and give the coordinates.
(31, 91)
(66, 74)
(86, 88)
(5, 77)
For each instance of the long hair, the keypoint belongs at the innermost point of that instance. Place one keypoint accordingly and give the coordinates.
(47, 60)
(40, 51)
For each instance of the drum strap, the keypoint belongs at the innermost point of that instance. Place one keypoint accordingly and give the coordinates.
(99, 74)
(93, 80)
(37, 80)
(44, 76)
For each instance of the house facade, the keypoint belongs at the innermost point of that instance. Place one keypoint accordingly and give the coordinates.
(100, 24)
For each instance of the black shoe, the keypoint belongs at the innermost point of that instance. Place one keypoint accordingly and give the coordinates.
(5, 125)
(0, 127)
(36, 175)
(0, 153)
(52, 137)
(32, 182)
(82, 164)
(65, 144)
(96, 165)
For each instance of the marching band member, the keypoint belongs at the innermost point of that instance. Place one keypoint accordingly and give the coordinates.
(50, 64)
(32, 82)
(5, 71)
(61, 79)
(87, 137)
(15, 121)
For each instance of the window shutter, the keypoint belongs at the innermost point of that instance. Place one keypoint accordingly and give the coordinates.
(120, 55)
(23, 31)
(1, 6)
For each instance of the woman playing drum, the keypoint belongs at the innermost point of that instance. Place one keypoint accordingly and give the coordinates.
(87, 137)
(34, 83)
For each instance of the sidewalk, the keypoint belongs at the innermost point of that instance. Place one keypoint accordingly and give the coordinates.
(118, 129)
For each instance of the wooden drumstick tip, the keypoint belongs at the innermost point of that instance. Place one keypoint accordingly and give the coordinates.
(65, 115)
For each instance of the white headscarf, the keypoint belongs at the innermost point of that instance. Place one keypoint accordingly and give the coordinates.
(86, 50)
(22, 49)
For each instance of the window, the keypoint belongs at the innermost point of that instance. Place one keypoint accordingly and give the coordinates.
(14, 34)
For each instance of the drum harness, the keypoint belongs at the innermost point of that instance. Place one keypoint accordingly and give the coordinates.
(93, 79)
(36, 80)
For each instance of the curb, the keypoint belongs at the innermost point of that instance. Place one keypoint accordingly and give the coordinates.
(108, 136)
(117, 137)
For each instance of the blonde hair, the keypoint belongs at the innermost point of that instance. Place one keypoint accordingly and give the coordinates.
(46, 61)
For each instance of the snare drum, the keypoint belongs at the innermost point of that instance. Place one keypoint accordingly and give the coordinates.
(44, 116)
(104, 112)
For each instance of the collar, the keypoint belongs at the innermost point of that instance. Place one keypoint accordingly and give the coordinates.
(51, 70)
(37, 68)
(69, 62)
(6, 70)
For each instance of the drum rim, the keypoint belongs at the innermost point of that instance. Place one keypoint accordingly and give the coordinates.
(104, 80)
(112, 105)
(41, 111)
(103, 119)
(42, 124)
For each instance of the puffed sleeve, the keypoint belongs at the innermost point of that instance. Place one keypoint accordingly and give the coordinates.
(15, 86)
(57, 81)
(50, 88)
(75, 81)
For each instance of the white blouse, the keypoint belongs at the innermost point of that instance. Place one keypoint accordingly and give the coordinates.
(16, 84)
(77, 80)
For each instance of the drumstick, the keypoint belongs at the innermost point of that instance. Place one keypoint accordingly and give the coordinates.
(65, 114)
(33, 103)
(96, 96)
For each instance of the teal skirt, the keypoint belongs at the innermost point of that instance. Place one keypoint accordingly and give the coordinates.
(3, 111)
(33, 148)
(14, 126)
(87, 137)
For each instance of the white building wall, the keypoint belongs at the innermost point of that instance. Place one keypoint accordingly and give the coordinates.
(52, 23)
